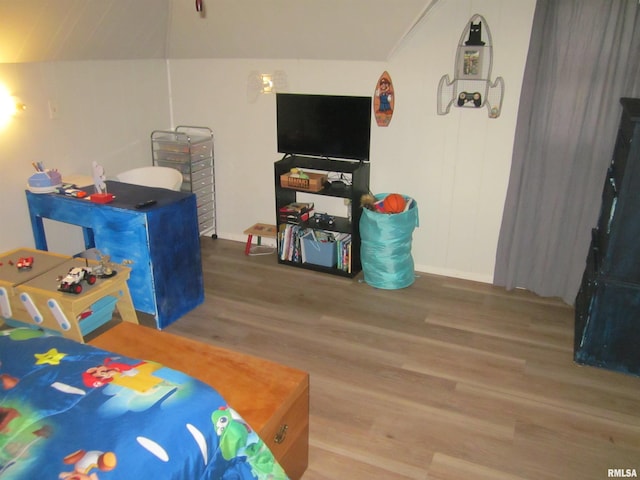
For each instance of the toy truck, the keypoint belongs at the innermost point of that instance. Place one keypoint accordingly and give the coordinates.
(71, 283)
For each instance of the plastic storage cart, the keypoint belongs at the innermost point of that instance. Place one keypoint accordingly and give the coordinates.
(190, 150)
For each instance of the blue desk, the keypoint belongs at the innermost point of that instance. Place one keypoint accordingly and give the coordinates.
(162, 242)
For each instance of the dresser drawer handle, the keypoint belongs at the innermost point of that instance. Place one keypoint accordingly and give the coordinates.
(281, 435)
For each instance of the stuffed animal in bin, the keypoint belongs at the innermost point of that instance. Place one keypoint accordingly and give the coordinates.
(369, 202)
(392, 203)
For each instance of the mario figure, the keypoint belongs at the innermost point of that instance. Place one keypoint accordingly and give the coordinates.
(137, 377)
(384, 93)
(84, 462)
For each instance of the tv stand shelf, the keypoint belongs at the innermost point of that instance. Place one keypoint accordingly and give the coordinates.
(359, 174)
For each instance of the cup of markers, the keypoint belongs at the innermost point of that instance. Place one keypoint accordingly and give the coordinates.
(44, 180)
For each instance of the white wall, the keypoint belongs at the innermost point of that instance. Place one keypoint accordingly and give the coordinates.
(105, 112)
(455, 166)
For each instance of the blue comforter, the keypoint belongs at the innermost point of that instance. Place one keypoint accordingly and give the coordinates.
(72, 411)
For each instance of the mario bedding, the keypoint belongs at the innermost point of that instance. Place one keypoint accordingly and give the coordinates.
(72, 411)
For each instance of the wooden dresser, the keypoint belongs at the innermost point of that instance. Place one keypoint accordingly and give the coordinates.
(272, 398)
(607, 329)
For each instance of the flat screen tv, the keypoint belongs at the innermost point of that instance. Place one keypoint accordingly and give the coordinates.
(333, 126)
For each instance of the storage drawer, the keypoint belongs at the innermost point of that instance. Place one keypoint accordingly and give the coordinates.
(205, 209)
(204, 193)
(175, 143)
(199, 156)
(205, 200)
(187, 167)
(205, 219)
(201, 164)
(205, 224)
(202, 174)
(287, 434)
(203, 148)
(193, 184)
(198, 183)
(179, 152)
(171, 159)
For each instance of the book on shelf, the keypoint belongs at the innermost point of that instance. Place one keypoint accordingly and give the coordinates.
(289, 244)
(343, 245)
(303, 252)
(297, 207)
(296, 212)
(295, 218)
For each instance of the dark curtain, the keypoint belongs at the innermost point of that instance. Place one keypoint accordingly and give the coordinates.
(583, 56)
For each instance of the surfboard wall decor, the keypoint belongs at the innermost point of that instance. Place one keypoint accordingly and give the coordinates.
(384, 100)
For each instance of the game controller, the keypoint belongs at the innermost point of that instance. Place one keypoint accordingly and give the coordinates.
(474, 97)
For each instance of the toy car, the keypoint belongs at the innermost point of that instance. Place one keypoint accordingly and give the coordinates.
(24, 263)
(323, 220)
(71, 282)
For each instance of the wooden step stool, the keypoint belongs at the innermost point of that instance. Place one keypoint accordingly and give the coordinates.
(259, 230)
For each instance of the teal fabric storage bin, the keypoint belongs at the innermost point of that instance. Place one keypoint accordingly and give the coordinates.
(385, 250)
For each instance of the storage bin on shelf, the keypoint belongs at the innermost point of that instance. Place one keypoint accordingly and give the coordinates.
(323, 253)
(385, 250)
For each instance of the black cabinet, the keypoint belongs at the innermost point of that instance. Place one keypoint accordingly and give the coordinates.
(607, 322)
(356, 175)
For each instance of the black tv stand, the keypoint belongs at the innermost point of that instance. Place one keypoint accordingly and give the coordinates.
(359, 172)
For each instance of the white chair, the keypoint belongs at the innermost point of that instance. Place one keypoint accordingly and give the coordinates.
(152, 176)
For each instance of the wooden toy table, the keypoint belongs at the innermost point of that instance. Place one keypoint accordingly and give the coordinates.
(32, 297)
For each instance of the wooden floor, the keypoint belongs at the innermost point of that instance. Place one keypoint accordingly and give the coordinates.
(446, 379)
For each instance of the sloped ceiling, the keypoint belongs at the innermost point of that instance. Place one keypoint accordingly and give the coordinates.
(56, 30)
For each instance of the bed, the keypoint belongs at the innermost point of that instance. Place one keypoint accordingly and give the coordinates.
(74, 411)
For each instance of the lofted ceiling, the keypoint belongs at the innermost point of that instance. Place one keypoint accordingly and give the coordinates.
(58, 30)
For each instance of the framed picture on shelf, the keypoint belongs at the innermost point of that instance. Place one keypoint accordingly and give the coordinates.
(470, 66)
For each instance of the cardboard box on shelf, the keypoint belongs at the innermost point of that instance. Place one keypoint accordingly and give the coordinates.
(314, 183)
